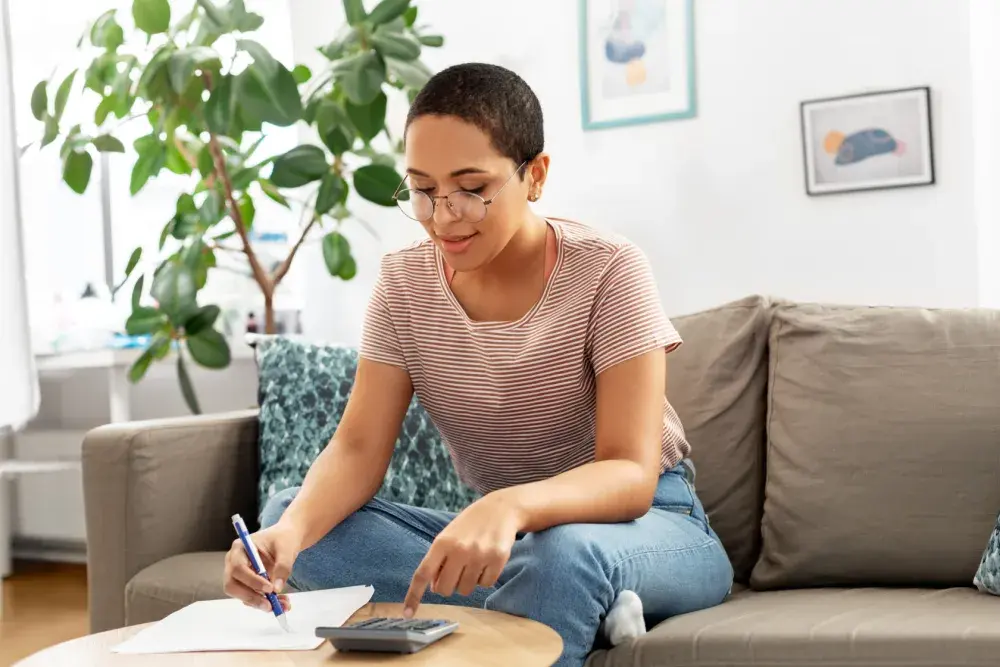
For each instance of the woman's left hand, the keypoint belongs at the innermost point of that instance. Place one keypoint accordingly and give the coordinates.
(471, 551)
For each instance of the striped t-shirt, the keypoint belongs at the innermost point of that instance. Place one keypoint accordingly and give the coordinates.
(516, 401)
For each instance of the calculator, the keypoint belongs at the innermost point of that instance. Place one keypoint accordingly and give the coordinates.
(387, 635)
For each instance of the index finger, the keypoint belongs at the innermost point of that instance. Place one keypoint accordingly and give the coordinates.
(423, 576)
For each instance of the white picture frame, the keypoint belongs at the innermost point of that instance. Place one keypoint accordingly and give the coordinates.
(868, 141)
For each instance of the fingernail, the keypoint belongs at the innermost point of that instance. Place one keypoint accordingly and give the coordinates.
(408, 612)
(278, 585)
(264, 605)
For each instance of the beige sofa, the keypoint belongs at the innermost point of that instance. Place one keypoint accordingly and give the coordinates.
(849, 458)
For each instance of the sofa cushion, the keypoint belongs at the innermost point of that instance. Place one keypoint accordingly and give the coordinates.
(717, 382)
(173, 583)
(862, 627)
(884, 446)
(303, 390)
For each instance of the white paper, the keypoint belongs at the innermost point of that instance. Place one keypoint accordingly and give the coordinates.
(229, 625)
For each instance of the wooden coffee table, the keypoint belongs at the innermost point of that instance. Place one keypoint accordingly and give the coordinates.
(486, 638)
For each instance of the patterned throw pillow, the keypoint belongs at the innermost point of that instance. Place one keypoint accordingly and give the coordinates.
(987, 577)
(303, 390)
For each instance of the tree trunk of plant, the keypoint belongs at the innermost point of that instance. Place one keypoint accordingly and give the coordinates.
(269, 324)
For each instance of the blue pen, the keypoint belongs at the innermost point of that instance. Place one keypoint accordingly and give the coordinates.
(258, 566)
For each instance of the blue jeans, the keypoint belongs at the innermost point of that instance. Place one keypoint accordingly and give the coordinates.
(566, 577)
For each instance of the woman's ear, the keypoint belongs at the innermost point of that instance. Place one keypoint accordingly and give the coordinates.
(538, 170)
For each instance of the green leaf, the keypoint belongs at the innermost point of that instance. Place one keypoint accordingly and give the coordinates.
(137, 292)
(410, 17)
(332, 191)
(334, 127)
(361, 77)
(432, 40)
(211, 210)
(106, 106)
(186, 205)
(161, 344)
(152, 156)
(243, 177)
(141, 365)
(151, 16)
(201, 320)
(206, 165)
(269, 189)
(144, 320)
(154, 84)
(348, 268)
(214, 14)
(51, 131)
(108, 144)
(76, 170)
(183, 63)
(39, 100)
(62, 94)
(106, 33)
(261, 57)
(133, 261)
(354, 10)
(337, 141)
(299, 166)
(187, 388)
(209, 348)
(265, 99)
(336, 49)
(336, 250)
(301, 74)
(395, 46)
(387, 10)
(219, 107)
(413, 73)
(174, 289)
(247, 210)
(377, 183)
(175, 161)
(369, 119)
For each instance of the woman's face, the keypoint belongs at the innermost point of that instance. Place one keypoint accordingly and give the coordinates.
(445, 155)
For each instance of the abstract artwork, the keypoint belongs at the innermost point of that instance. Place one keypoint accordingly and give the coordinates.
(869, 141)
(636, 61)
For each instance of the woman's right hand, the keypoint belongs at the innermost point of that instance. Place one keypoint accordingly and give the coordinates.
(278, 547)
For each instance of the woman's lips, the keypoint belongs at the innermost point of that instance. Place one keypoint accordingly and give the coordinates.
(457, 244)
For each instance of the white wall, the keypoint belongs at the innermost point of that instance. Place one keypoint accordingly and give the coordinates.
(718, 202)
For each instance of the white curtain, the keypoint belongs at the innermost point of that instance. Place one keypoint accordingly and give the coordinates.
(18, 380)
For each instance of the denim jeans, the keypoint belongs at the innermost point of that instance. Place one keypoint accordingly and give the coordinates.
(566, 577)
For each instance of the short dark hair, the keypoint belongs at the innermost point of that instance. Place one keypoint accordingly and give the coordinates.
(494, 99)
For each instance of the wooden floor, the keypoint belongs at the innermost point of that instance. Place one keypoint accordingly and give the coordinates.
(43, 604)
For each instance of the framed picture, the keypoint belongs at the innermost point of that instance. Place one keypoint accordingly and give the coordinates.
(636, 61)
(870, 141)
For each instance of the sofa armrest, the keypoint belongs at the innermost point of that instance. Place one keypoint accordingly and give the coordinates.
(160, 488)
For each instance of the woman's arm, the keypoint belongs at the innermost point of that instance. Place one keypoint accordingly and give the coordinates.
(620, 483)
(349, 471)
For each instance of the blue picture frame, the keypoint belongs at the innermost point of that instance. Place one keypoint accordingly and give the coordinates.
(589, 123)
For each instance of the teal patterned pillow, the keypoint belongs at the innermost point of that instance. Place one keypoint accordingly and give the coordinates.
(987, 577)
(303, 390)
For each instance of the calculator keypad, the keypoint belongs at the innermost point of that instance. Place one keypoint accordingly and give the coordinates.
(411, 624)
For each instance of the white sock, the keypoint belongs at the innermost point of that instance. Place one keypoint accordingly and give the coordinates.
(624, 619)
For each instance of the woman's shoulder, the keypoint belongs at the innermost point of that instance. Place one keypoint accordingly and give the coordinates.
(592, 247)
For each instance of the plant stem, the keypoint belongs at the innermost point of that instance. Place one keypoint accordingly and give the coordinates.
(259, 274)
(287, 264)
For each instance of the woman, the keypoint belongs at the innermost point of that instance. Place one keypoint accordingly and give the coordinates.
(538, 349)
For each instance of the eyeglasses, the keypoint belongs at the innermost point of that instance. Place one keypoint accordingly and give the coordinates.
(468, 206)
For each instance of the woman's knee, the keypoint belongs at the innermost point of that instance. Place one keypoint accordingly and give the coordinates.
(276, 506)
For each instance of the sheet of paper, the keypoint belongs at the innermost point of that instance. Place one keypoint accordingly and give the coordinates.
(229, 625)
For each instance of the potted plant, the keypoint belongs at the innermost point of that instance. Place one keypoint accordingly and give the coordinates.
(209, 92)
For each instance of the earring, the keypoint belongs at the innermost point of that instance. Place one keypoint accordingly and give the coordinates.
(534, 195)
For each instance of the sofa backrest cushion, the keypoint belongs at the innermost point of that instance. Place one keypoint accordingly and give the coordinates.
(883, 455)
(717, 382)
(303, 390)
